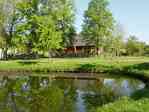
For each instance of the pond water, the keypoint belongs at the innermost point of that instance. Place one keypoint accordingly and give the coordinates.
(46, 94)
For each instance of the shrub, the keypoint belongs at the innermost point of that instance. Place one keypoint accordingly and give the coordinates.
(126, 105)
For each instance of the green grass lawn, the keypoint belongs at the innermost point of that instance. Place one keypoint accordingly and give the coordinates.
(138, 102)
(126, 105)
(136, 65)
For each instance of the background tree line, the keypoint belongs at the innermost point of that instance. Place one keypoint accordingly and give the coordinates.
(33, 26)
(101, 29)
(41, 26)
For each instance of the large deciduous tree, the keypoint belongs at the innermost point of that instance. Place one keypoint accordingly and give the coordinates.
(26, 34)
(8, 21)
(62, 12)
(98, 23)
(65, 21)
(45, 24)
(49, 38)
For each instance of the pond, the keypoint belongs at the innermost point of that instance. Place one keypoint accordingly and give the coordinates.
(44, 93)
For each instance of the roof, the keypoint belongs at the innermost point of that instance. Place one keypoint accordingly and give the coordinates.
(79, 41)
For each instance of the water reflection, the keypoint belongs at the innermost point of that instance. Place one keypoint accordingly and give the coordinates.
(43, 94)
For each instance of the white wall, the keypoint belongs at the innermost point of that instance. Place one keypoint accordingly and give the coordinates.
(1, 54)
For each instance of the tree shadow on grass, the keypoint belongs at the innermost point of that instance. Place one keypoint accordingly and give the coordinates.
(141, 66)
(94, 68)
(27, 62)
(141, 94)
(86, 67)
(137, 71)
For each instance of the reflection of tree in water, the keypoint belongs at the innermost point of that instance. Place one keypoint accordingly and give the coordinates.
(6, 95)
(104, 91)
(44, 99)
(31, 95)
(98, 95)
(69, 94)
(42, 94)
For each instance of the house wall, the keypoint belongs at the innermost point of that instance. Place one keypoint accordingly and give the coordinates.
(80, 51)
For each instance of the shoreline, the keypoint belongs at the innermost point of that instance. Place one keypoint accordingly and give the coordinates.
(90, 74)
(136, 67)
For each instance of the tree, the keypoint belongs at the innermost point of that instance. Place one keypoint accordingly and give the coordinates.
(62, 13)
(146, 50)
(26, 34)
(98, 23)
(49, 38)
(65, 22)
(7, 23)
(35, 14)
(116, 42)
(134, 47)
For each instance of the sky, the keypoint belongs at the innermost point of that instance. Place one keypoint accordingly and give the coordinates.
(133, 15)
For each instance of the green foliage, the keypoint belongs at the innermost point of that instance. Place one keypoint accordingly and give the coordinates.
(44, 25)
(30, 26)
(26, 34)
(65, 21)
(146, 50)
(126, 105)
(8, 21)
(134, 47)
(98, 23)
(2, 42)
(141, 94)
(115, 46)
(49, 38)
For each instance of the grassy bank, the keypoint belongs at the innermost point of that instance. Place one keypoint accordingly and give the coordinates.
(138, 102)
(132, 66)
(126, 105)
(138, 66)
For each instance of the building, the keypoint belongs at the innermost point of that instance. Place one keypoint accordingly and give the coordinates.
(80, 48)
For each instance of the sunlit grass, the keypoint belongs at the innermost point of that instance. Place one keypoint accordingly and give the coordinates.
(93, 64)
(126, 105)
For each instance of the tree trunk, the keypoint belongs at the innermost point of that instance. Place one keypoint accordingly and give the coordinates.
(5, 55)
(29, 46)
(97, 51)
(29, 51)
(50, 53)
(75, 50)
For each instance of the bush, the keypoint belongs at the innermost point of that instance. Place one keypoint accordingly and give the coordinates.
(126, 105)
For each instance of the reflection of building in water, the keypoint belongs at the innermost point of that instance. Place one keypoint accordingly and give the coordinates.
(87, 84)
